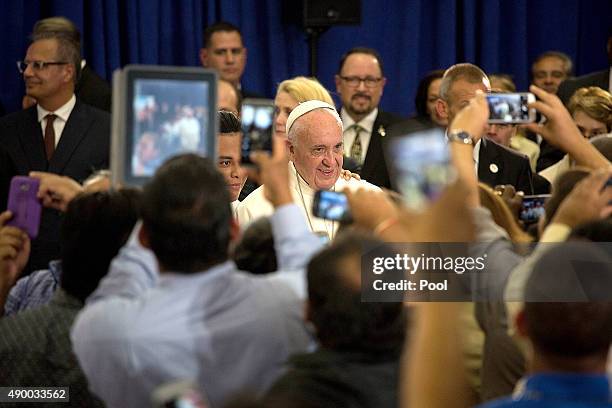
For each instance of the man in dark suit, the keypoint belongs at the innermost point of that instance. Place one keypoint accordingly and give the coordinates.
(90, 88)
(600, 79)
(59, 135)
(360, 82)
(496, 164)
(224, 52)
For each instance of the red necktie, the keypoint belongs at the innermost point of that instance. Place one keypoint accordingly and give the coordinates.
(50, 136)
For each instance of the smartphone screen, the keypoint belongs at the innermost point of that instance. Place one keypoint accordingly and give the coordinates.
(24, 205)
(420, 166)
(532, 208)
(257, 117)
(331, 205)
(510, 107)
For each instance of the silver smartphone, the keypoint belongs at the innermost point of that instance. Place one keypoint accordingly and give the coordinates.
(511, 108)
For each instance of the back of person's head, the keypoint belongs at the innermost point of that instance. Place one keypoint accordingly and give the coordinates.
(562, 186)
(95, 226)
(466, 71)
(255, 252)
(593, 102)
(561, 328)
(304, 89)
(221, 26)
(342, 321)
(603, 144)
(361, 50)
(503, 82)
(420, 99)
(595, 231)
(58, 25)
(186, 214)
(68, 39)
(228, 122)
(501, 213)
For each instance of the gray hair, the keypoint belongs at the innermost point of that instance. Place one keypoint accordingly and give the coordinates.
(466, 71)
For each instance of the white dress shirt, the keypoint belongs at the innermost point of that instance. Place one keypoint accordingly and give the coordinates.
(63, 113)
(226, 330)
(348, 137)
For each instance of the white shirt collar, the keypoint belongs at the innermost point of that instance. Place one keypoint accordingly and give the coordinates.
(367, 123)
(63, 112)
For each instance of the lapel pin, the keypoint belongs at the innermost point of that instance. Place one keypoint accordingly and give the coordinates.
(493, 167)
(381, 131)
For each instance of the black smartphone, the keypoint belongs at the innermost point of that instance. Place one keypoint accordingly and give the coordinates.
(331, 205)
(257, 117)
(511, 108)
(532, 208)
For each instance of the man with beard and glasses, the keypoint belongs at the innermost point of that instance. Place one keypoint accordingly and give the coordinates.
(360, 82)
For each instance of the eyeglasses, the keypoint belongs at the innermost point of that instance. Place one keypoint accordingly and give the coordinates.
(37, 65)
(354, 81)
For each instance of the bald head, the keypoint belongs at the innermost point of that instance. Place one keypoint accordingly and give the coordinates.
(227, 97)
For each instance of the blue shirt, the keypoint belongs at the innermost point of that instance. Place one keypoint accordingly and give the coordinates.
(221, 328)
(33, 290)
(559, 391)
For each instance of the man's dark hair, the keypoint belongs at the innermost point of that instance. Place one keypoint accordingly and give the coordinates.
(217, 27)
(186, 214)
(255, 252)
(67, 36)
(595, 231)
(563, 185)
(420, 99)
(342, 320)
(95, 227)
(229, 122)
(557, 325)
(362, 50)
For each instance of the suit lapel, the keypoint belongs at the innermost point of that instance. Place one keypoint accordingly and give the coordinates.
(31, 137)
(375, 149)
(73, 133)
(489, 166)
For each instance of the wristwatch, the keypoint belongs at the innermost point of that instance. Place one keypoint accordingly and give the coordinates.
(461, 136)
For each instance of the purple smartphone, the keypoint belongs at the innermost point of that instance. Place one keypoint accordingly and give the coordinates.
(24, 205)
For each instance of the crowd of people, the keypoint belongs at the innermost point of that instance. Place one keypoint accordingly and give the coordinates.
(223, 276)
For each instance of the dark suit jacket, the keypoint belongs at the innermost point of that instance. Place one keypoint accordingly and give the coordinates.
(93, 90)
(410, 125)
(569, 86)
(248, 94)
(500, 165)
(83, 148)
(374, 168)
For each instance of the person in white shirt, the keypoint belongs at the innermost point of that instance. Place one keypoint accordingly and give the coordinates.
(314, 140)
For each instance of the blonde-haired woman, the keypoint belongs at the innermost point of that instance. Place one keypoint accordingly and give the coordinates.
(291, 93)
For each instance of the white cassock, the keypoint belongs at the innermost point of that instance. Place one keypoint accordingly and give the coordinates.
(234, 204)
(256, 205)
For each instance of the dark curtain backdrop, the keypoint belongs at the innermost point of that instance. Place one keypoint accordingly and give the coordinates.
(413, 37)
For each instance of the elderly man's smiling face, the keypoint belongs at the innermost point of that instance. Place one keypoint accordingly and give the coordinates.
(315, 147)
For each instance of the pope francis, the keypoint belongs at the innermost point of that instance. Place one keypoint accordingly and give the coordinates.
(314, 139)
